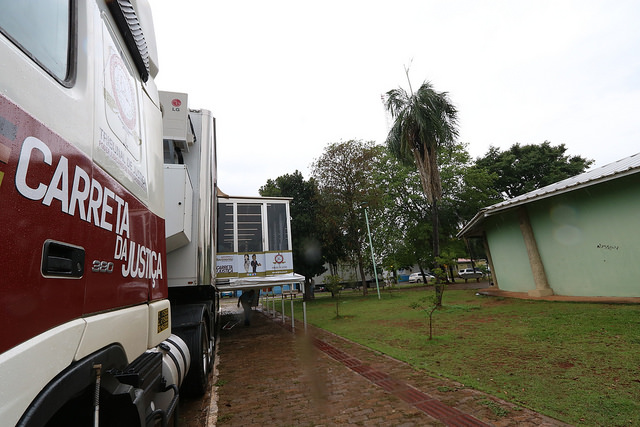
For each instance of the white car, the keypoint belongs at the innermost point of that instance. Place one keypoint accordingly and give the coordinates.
(470, 273)
(417, 277)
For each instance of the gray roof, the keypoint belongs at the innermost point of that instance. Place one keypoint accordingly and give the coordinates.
(623, 167)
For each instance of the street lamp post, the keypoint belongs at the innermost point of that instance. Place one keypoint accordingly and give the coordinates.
(375, 271)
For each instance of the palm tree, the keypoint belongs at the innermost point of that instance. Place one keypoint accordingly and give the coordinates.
(424, 122)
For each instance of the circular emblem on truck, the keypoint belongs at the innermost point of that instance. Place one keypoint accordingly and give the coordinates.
(176, 102)
(123, 91)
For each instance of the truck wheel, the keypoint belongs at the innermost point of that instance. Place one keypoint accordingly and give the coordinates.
(201, 348)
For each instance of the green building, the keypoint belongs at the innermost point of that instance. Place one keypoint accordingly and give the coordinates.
(577, 237)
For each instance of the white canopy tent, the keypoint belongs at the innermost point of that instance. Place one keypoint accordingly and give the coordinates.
(260, 282)
(257, 282)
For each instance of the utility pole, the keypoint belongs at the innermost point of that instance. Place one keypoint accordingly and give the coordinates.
(373, 259)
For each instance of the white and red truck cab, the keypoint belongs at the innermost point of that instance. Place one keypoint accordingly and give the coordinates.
(89, 333)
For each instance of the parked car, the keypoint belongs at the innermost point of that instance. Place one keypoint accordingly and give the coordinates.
(417, 277)
(470, 273)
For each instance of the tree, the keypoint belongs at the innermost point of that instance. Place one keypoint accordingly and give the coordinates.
(402, 221)
(428, 305)
(345, 178)
(524, 168)
(466, 189)
(424, 123)
(306, 236)
(333, 285)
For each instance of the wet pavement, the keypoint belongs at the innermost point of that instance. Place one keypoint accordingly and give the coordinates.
(267, 375)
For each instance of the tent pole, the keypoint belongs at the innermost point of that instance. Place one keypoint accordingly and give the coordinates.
(268, 300)
(273, 304)
(293, 324)
(265, 302)
(304, 305)
(282, 298)
(304, 315)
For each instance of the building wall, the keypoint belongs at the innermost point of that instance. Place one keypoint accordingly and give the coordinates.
(508, 252)
(588, 240)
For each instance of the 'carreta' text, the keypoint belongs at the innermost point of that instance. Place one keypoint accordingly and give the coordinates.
(76, 191)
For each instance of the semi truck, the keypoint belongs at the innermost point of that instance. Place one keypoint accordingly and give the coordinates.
(107, 199)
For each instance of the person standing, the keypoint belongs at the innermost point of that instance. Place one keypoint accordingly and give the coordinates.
(246, 299)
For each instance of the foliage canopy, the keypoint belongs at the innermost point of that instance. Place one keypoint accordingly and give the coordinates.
(524, 168)
(424, 121)
(345, 175)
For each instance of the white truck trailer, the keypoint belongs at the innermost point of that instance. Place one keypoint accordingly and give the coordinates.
(103, 314)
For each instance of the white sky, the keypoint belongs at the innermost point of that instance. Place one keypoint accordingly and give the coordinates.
(286, 78)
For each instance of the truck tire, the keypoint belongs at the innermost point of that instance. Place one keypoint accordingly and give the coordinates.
(200, 346)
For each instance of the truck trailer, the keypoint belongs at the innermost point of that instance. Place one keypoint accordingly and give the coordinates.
(107, 280)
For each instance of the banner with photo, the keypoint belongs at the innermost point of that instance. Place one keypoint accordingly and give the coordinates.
(253, 264)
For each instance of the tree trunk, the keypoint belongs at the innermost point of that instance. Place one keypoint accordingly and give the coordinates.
(436, 229)
(333, 269)
(308, 289)
(453, 279)
(363, 278)
(438, 287)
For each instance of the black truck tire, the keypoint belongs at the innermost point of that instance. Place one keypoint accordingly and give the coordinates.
(200, 346)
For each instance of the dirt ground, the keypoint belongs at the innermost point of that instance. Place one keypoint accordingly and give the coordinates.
(195, 412)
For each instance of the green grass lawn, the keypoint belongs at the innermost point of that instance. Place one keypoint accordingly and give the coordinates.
(577, 362)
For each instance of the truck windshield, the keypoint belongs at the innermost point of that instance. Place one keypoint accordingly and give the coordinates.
(41, 29)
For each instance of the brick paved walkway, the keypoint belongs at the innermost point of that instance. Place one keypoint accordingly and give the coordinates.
(268, 376)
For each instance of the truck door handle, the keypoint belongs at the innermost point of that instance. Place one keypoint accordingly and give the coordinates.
(62, 260)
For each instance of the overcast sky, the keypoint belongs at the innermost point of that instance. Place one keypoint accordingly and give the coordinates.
(286, 78)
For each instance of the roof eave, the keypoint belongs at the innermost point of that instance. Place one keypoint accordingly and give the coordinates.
(476, 221)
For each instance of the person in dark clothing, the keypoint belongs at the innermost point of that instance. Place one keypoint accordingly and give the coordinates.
(246, 299)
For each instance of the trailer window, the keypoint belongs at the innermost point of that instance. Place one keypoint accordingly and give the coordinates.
(225, 227)
(249, 227)
(41, 28)
(277, 226)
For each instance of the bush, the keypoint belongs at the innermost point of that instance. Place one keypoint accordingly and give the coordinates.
(332, 283)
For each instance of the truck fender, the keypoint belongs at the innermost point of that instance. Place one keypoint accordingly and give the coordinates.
(185, 316)
(69, 383)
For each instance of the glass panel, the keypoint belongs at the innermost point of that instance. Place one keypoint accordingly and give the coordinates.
(277, 226)
(249, 227)
(225, 227)
(41, 28)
